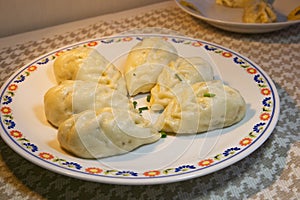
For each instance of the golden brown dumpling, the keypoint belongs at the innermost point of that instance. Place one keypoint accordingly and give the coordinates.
(203, 106)
(233, 3)
(106, 132)
(84, 63)
(145, 62)
(71, 97)
(259, 12)
(182, 71)
(294, 14)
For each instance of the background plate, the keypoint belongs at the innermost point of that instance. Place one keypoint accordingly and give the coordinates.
(230, 19)
(25, 129)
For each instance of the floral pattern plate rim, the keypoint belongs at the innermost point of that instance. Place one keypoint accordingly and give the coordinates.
(25, 129)
(230, 19)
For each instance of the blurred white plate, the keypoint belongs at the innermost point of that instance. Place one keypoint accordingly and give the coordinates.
(25, 129)
(230, 19)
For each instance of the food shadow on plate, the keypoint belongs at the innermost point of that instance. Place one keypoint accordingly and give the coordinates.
(54, 144)
(40, 115)
(50, 75)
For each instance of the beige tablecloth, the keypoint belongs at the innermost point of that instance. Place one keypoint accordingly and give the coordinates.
(271, 172)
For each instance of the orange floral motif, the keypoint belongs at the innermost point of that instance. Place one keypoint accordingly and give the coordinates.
(12, 87)
(266, 91)
(205, 162)
(16, 134)
(93, 170)
(245, 141)
(197, 44)
(152, 173)
(226, 54)
(46, 156)
(251, 70)
(5, 110)
(59, 53)
(127, 39)
(32, 68)
(92, 44)
(265, 116)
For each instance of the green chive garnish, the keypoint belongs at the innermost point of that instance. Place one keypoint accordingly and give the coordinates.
(209, 95)
(148, 98)
(143, 108)
(177, 76)
(134, 104)
(163, 134)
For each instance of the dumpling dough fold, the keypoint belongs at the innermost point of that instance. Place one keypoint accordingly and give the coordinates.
(104, 133)
(259, 12)
(183, 71)
(84, 63)
(145, 62)
(71, 97)
(234, 3)
(202, 107)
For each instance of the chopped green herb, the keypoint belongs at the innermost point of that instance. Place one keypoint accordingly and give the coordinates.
(143, 108)
(148, 98)
(163, 134)
(209, 95)
(134, 104)
(177, 76)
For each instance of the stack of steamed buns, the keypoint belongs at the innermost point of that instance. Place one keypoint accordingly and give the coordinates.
(91, 107)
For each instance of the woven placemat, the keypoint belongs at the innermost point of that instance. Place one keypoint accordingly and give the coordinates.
(271, 172)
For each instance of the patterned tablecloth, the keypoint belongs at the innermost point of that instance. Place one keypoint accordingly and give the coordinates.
(271, 172)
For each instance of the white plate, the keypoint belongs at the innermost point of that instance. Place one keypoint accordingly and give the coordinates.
(230, 19)
(25, 129)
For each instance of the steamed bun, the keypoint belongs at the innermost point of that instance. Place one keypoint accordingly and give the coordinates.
(259, 12)
(183, 71)
(104, 133)
(70, 97)
(145, 62)
(84, 63)
(202, 107)
(233, 3)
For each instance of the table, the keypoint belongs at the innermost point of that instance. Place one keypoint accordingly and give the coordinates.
(271, 172)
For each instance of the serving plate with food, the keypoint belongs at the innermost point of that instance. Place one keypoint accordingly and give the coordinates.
(244, 16)
(138, 109)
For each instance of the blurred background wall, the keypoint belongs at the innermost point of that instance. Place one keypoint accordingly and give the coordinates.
(18, 16)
